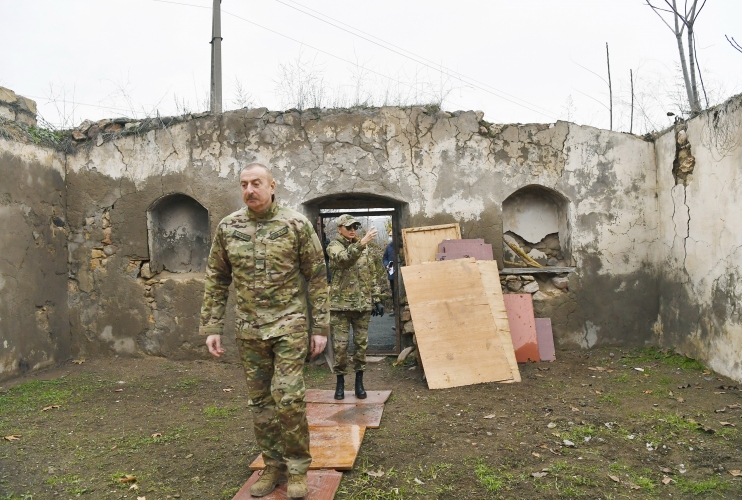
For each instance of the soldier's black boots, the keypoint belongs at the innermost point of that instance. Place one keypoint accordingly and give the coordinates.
(360, 391)
(340, 387)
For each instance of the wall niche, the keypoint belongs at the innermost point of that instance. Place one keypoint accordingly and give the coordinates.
(534, 218)
(178, 234)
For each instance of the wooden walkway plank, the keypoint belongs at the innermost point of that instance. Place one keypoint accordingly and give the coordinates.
(330, 415)
(323, 396)
(331, 447)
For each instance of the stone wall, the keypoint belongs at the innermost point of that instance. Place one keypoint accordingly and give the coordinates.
(16, 108)
(438, 167)
(699, 166)
(34, 323)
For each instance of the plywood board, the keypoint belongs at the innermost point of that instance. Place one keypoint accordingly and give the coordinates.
(328, 414)
(421, 243)
(372, 397)
(330, 447)
(454, 327)
(519, 307)
(463, 244)
(545, 338)
(322, 486)
(491, 282)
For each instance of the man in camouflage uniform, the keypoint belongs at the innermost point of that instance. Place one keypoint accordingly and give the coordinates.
(354, 294)
(270, 252)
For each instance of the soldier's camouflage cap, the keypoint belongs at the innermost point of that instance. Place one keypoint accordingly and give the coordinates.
(347, 220)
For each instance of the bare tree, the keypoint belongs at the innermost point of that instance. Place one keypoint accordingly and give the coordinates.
(684, 22)
(734, 43)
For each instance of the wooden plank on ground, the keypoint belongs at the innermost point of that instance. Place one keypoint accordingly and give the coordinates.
(330, 447)
(454, 327)
(519, 307)
(329, 415)
(491, 282)
(322, 486)
(545, 338)
(321, 396)
(421, 243)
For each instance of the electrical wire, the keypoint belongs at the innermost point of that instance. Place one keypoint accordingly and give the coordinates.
(399, 82)
(419, 60)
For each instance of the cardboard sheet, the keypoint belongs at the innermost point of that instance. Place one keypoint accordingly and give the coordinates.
(322, 486)
(491, 282)
(545, 338)
(372, 397)
(330, 415)
(519, 307)
(454, 326)
(421, 243)
(331, 447)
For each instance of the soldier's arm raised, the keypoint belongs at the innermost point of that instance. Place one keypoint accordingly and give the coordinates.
(342, 257)
(216, 287)
(312, 267)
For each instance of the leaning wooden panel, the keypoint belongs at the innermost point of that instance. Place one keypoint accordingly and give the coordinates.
(491, 282)
(330, 447)
(454, 326)
(322, 485)
(421, 243)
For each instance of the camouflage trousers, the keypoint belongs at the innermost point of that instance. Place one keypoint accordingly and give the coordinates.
(275, 385)
(340, 323)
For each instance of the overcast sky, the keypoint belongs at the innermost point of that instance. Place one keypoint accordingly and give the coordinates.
(522, 61)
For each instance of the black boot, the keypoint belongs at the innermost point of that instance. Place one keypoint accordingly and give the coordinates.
(340, 387)
(360, 391)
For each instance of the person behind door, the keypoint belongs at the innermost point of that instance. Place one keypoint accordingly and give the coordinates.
(355, 294)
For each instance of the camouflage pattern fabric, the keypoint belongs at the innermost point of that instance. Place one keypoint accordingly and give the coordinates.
(275, 385)
(355, 276)
(269, 256)
(340, 323)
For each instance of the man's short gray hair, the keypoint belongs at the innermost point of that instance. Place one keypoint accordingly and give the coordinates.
(255, 165)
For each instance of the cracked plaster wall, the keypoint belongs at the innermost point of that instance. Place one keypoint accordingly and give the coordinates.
(34, 324)
(701, 241)
(439, 167)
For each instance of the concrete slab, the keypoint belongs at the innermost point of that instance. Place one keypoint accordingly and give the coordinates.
(519, 307)
(545, 339)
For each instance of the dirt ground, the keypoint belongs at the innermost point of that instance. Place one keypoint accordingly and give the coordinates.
(605, 423)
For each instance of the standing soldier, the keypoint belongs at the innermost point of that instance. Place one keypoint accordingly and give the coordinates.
(269, 251)
(355, 294)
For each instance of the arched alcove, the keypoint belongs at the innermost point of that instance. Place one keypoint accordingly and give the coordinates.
(178, 234)
(535, 218)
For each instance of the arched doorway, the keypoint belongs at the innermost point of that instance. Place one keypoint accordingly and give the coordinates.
(385, 214)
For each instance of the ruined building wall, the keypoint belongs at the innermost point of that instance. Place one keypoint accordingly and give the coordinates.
(34, 324)
(438, 167)
(699, 165)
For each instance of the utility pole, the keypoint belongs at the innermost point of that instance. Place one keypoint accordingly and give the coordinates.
(215, 100)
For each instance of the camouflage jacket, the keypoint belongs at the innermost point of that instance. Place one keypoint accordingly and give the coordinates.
(355, 276)
(274, 259)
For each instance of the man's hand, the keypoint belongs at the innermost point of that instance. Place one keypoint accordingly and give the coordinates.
(214, 343)
(378, 309)
(318, 345)
(370, 235)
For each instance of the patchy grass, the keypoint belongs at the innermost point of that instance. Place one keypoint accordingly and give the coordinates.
(701, 487)
(668, 358)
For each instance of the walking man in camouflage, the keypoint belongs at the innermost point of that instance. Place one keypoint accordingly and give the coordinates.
(355, 294)
(269, 251)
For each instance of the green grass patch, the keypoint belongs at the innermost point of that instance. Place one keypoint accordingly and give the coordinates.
(701, 487)
(216, 412)
(187, 383)
(493, 480)
(609, 399)
(668, 358)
